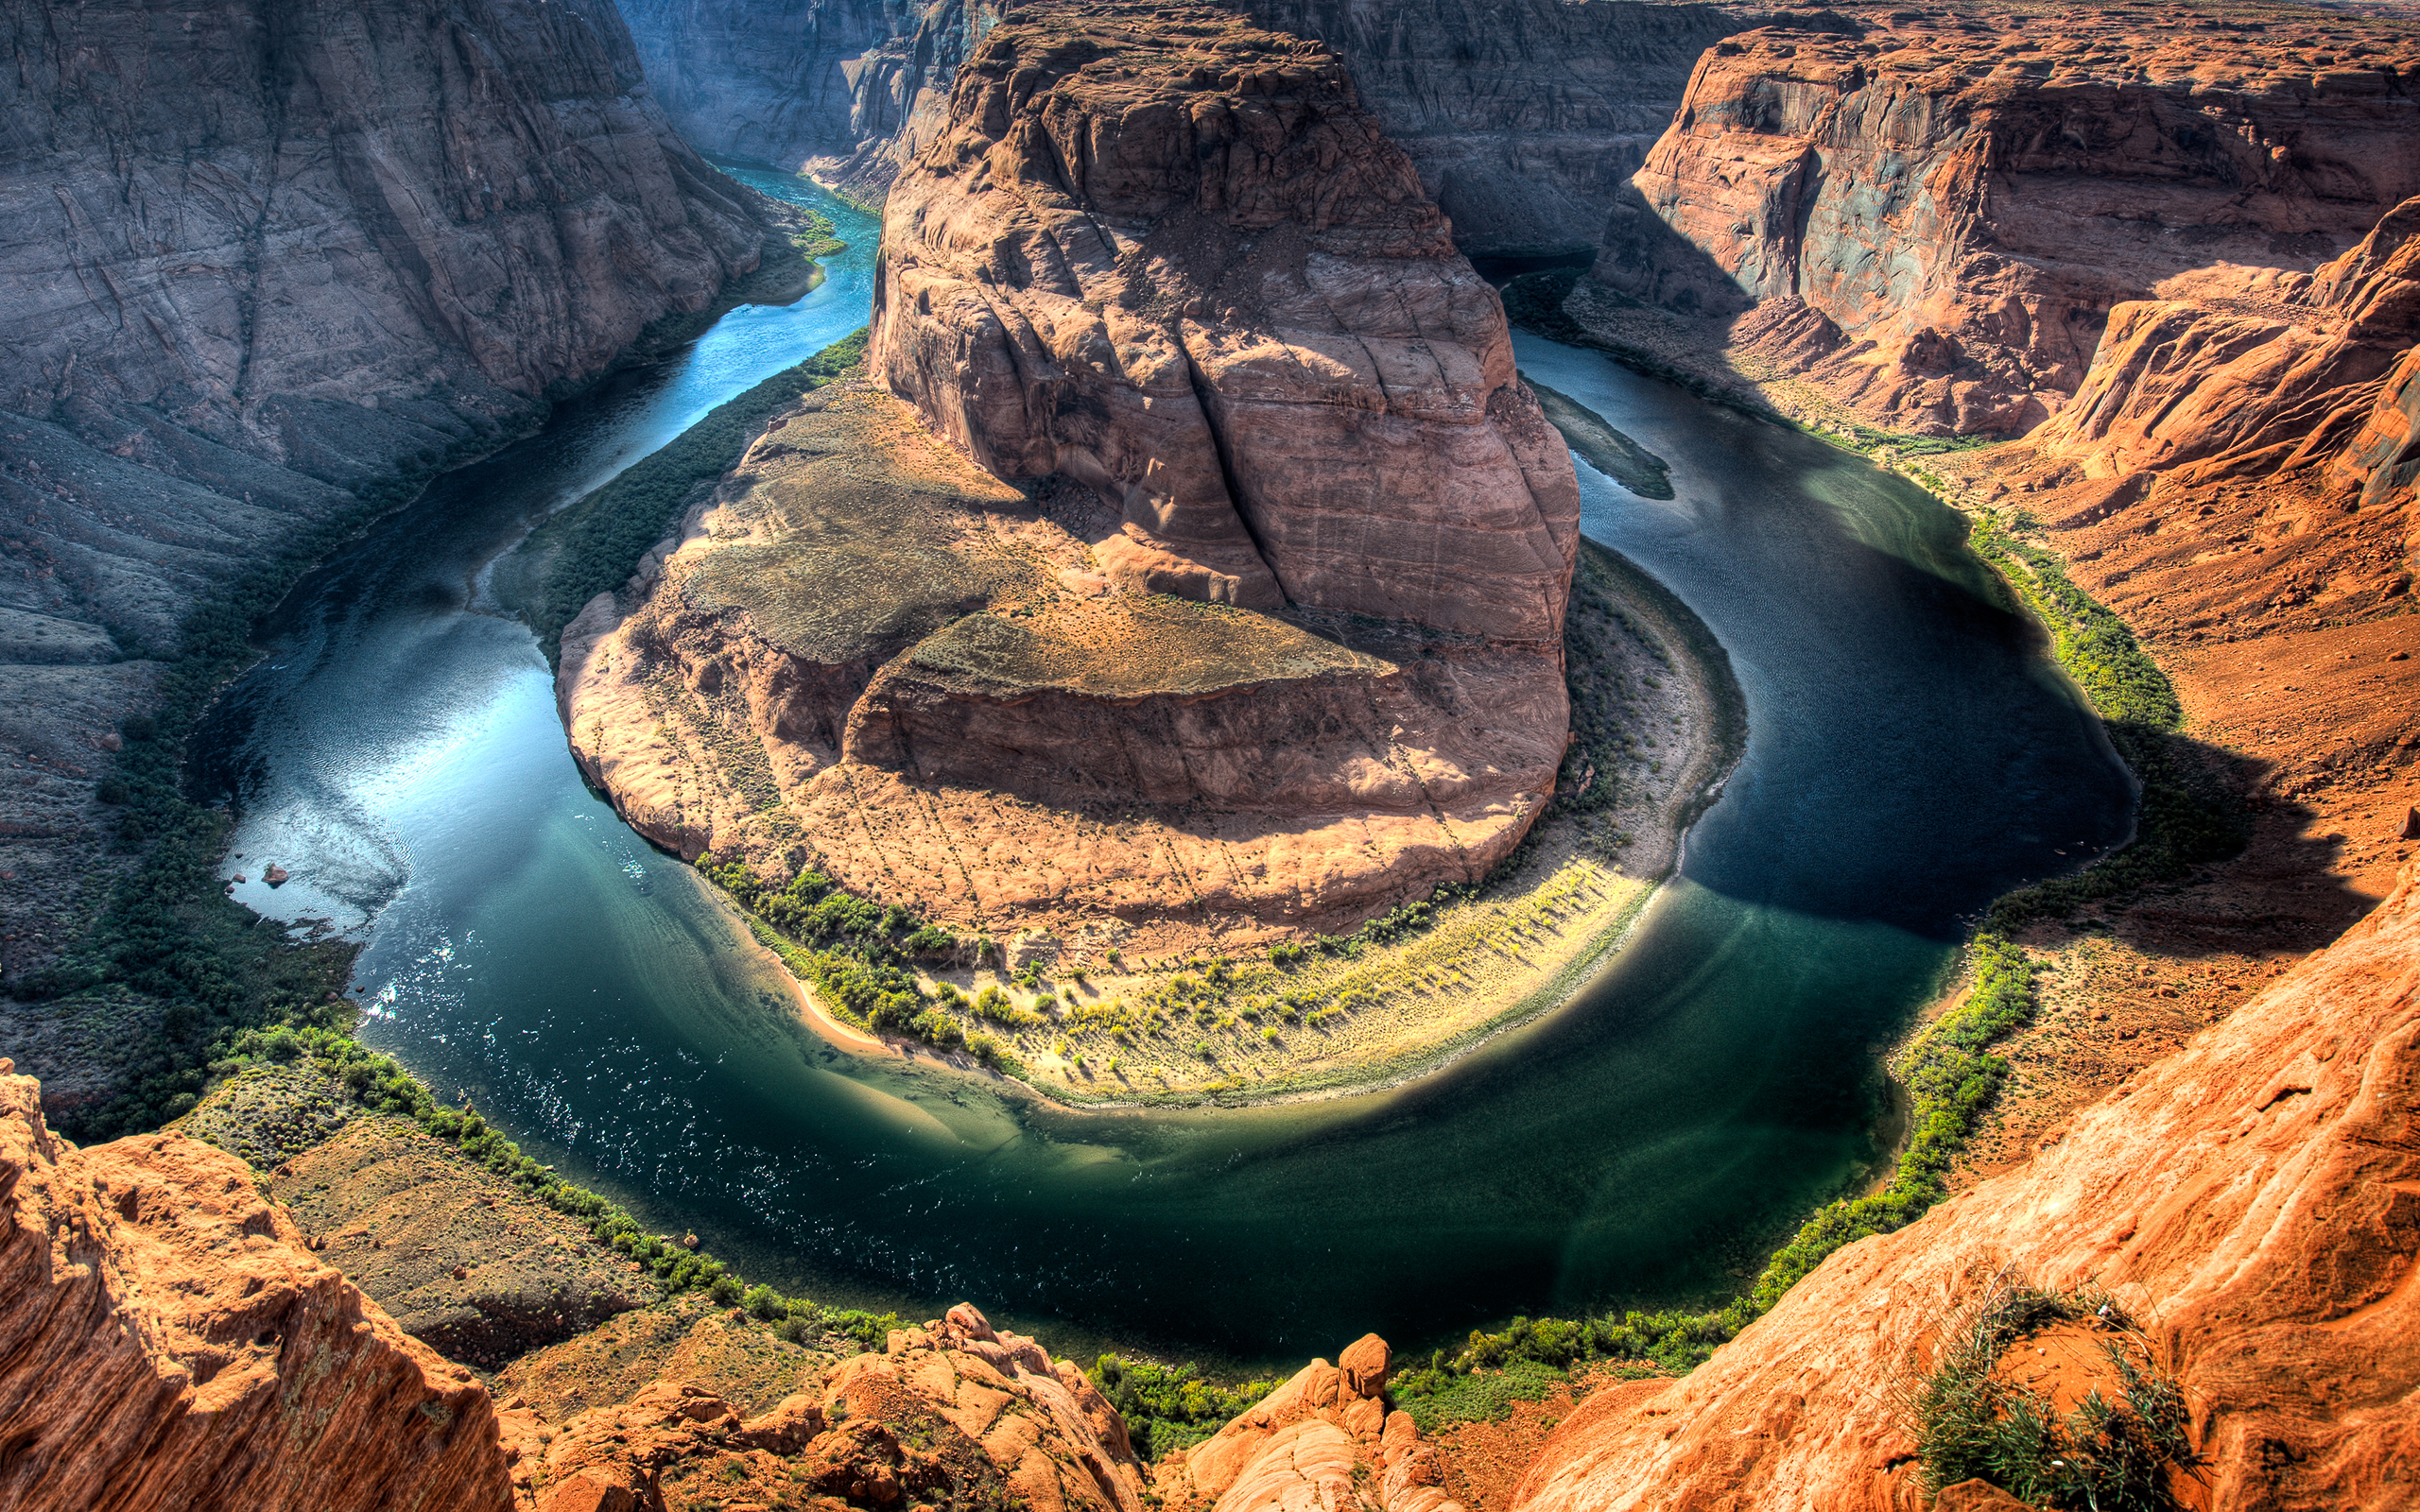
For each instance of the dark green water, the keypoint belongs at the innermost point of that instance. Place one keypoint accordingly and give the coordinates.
(1912, 754)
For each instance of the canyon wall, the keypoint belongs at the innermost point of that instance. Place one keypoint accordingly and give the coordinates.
(1935, 212)
(1193, 559)
(2271, 1261)
(262, 258)
(1523, 121)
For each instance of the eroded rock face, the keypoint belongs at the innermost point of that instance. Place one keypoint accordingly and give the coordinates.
(1324, 1440)
(170, 1343)
(1523, 121)
(2252, 1196)
(1170, 257)
(1935, 214)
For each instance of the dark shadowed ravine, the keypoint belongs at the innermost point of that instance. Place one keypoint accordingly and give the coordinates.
(1912, 754)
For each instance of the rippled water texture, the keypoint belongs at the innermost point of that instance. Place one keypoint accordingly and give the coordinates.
(1912, 754)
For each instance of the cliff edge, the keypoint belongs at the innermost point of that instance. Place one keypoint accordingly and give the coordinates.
(2255, 1198)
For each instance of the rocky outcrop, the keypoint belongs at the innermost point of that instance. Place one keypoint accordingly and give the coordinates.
(2272, 1251)
(169, 1341)
(1174, 261)
(952, 1416)
(1324, 1440)
(1214, 532)
(263, 261)
(1935, 214)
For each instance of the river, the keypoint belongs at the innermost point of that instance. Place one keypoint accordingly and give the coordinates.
(1912, 754)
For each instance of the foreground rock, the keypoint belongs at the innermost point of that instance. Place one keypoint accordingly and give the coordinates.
(1245, 612)
(2252, 1197)
(953, 1415)
(1324, 1440)
(1935, 210)
(170, 1343)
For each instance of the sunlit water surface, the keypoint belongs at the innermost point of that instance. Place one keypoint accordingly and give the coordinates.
(1912, 754)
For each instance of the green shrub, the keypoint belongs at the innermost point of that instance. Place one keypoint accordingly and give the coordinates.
(1169, 1407)
(596, 542)
(2108, 1456)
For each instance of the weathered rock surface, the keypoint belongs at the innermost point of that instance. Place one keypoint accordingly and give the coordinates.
(1934, 212)
(1246, 610)
(1324, 1440)
(261, 257)
(953, 1417)
(170, 1343)
(1170, 257)
(2254, 1196)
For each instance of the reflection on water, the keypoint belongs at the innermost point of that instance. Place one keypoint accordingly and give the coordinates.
(1912, 754)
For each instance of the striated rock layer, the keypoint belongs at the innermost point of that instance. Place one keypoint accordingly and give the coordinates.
(261, 258)
(166, 1341)
(1212, 573)
(1935, 212)
(2255, 1198)
(1167, 255)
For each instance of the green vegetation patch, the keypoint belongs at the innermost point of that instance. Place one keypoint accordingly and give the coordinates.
(836, 602)
(1170, 1407)
(1136, 647)
(591, 547)
(2109, 1454)
(1606, 448)
(2182, 822)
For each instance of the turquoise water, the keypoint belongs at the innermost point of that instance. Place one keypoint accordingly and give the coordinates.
(1912, 754)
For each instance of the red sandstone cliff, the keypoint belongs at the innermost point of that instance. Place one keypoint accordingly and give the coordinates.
(166, 1341)
(2255, 1197)
(1935, 211)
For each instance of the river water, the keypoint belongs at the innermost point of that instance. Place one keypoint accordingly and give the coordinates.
(1912, 754)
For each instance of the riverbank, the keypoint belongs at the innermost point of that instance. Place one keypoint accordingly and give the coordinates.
(1658, 722)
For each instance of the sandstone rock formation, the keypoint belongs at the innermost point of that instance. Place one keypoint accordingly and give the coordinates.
(1935, 211)
(170, 1343)
(265, 258)
(953, 1417)
(1173, 259)
(1262, 627)
(2252, 1197)
(1324, 1440)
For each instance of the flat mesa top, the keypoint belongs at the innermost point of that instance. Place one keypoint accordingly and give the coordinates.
(853, 536)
